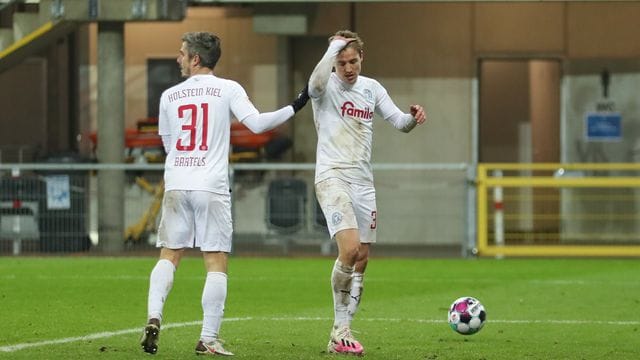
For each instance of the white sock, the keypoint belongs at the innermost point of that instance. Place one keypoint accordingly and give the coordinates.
(357, 287)
(214, 295)
(160, 284)
(341, 285)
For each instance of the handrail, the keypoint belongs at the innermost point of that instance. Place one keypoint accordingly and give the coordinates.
(27, 39)
(557, 166)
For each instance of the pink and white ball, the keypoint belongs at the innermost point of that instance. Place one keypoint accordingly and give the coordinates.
(467, 315)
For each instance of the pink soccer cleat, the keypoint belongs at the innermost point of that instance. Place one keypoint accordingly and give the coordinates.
(343, 342)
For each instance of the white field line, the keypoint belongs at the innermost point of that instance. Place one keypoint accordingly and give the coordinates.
(107, 334)
(559, 282)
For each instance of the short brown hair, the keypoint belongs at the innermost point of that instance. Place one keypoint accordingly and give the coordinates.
(204, 44)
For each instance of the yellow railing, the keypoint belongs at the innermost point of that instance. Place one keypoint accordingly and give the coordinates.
(27, 39)
(570, 185)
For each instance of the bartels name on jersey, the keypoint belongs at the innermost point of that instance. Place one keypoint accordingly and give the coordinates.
(189, 161)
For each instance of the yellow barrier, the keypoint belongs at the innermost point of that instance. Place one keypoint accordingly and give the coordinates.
(560, 178)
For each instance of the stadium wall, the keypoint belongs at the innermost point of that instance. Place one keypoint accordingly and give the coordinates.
(422, 52)
(440, 43)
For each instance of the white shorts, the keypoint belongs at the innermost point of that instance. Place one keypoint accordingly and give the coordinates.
(195, 219)
(348, 206)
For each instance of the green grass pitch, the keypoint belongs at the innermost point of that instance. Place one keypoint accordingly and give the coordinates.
(280, 308)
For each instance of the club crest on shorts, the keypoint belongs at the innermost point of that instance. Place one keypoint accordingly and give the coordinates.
(336, 218)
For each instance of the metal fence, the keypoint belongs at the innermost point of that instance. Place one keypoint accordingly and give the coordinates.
(424, 209)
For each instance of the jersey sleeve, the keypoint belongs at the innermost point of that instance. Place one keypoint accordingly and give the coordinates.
(164, 127)
(386, 108)
(321, 73)
(240, 105)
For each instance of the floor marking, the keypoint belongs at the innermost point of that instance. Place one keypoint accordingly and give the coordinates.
(107, 334)
(100, 335)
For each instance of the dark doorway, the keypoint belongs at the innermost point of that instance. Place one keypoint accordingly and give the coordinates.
(161, 75)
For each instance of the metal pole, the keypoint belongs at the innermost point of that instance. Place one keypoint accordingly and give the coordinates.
(470, 247)
(498, 215)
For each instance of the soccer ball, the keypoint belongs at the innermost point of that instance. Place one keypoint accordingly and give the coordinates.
(467, 315)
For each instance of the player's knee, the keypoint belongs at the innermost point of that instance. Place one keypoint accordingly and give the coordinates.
(363, 253)
(352, 253)
(172, 255)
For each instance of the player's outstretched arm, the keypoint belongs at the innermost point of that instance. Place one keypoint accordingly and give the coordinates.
(261, 122)
(406, 122)
(417, 117)
(301, 100)
(401, 121)
(320, 75)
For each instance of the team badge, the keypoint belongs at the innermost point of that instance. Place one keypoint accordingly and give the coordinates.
(336, 218)
(368, 95)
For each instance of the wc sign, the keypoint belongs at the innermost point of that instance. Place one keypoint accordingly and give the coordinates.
(605, 124)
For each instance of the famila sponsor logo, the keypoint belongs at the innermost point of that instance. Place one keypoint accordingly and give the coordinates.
(349, 109)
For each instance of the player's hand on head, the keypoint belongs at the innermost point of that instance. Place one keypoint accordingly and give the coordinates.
(345, 39)
(418, 113)
(301, 100)
(338, 37)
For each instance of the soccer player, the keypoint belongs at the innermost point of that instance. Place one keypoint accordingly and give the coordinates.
(194, 123)
(344, 103)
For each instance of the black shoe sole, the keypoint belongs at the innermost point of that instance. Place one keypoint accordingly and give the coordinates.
(150, 340)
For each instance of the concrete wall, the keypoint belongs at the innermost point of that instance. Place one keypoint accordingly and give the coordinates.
(425, 53)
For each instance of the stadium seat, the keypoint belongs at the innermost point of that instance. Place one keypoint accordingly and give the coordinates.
(285, 212)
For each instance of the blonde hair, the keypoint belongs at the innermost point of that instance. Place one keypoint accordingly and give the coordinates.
(357, 43)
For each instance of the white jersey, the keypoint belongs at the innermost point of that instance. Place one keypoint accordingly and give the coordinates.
(196, 115)
(343, 116)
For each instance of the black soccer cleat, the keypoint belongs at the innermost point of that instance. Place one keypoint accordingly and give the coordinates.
(149, 340)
